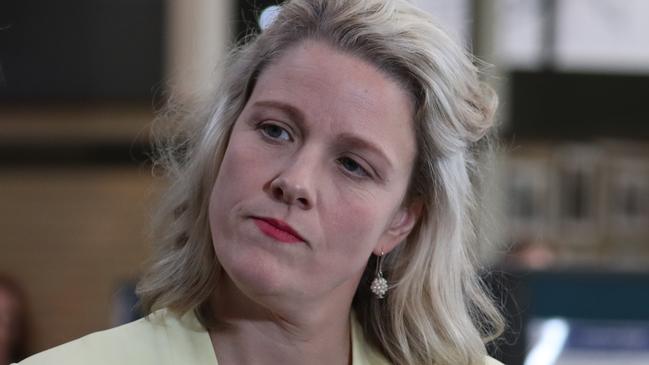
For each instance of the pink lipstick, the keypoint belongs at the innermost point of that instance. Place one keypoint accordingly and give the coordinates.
(277, 229)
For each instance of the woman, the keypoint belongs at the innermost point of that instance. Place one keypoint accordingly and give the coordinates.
(322, 203)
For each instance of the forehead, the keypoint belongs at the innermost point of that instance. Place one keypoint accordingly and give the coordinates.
(342, 93)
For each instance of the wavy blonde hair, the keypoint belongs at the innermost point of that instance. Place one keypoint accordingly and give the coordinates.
(437, 310)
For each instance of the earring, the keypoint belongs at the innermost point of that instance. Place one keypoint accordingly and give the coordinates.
(379, 285)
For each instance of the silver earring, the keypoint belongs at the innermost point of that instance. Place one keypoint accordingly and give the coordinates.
(379, 285)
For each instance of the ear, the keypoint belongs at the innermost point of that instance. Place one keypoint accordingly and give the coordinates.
(401, 225)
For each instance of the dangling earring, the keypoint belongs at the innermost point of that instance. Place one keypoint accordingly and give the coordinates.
(379, 285)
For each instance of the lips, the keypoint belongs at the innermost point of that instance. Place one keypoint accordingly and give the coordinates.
(278, 230)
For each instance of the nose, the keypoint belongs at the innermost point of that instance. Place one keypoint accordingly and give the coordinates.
(293, 185)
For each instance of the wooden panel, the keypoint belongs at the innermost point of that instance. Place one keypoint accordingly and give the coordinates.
(75, 123)
(69, 236)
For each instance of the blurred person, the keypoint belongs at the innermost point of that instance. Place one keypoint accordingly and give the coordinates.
(322, 203)
(13, 322)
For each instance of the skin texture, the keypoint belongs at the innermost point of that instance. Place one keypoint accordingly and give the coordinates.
(296, 154)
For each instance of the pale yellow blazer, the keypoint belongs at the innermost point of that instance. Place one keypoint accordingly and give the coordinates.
(166, 339)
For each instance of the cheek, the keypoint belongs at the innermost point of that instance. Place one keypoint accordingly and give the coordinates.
(357, 211)
(240, 171)
(237, 177)
(355, 222)
(240, 161)
(353, 228)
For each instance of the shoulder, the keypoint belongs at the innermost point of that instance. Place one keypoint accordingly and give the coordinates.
(491, 361)
(145, 341)
(104, 347)
(363, 353)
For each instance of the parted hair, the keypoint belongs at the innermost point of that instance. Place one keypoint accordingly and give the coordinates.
(437, 310)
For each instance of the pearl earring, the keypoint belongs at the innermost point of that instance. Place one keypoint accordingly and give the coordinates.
(379, 285)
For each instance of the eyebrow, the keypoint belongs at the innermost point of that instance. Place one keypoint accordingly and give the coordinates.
(293, 112)
(346, 139)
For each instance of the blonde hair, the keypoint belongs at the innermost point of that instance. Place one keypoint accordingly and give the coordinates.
(437, 310)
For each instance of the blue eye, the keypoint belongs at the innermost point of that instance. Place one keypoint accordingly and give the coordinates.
(353, 167)
(276, 132)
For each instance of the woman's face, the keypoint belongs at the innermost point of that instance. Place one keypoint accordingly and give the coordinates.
(325, 144)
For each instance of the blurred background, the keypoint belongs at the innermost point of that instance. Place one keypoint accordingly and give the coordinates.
(568, 193)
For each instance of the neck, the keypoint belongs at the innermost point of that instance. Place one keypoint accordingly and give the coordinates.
(295, 332)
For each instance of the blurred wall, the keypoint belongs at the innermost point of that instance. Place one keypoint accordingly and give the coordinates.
(70, 236)
(76, 189)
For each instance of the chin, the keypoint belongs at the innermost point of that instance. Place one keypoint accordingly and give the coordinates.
(258, 273)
